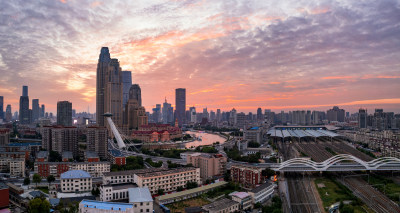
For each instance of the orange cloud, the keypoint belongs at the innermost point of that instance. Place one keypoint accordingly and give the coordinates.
(203, 91)
(380, 76)
(95, 4)
(338, 77)
(320, 10)
(274, 82)
(63, 1)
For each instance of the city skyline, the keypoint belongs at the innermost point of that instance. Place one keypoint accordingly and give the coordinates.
(227, 55)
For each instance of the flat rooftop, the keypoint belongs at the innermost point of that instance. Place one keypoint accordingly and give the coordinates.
(135, 171)
(220, 204)
(106, 205)
(166, 172)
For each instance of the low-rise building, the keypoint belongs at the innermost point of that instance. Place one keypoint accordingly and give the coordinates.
(91, 156)
(168, 180)
(243, 198)
(92, 206)
(262, 193)
(210, 164)
(126, 176)
(141, 199)
(116, 157)
(42, 156)
(15, 167)
(95, 169)
(115, 192)
(224, 205)
(247, 176)
(76, 181)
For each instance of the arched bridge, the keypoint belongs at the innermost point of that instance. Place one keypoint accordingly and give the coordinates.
(342, 162)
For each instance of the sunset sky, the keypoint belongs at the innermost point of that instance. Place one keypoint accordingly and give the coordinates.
(300, 54)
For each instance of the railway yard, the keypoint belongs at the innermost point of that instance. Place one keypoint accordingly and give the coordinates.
(300, 195)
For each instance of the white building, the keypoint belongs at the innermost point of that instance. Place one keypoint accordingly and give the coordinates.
(262, 193)
(76, 181)
(243, 198)
(141, 199)
(115, 192)
(92, 206)
(126, 176)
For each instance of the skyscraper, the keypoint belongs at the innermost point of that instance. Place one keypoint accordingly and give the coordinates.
(113, 92)
(134, 115)
(335, 114)
(35, 110)
(136, 93)
(42, 111)
(64, 113)
(1, 107)
(8, 116)
(167, 113)
(180, 104)
(126, 86)
(362, 118)
(24, 116)
(102, 69)
(259, 114)
(219, 116)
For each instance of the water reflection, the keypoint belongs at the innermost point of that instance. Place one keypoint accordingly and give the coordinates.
(206, 139)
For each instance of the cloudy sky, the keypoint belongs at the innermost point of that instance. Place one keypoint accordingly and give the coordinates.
(300, 54)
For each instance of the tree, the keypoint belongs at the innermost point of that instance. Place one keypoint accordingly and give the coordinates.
(39, 205)
(191, 185)
(253, 144)
(54, 156)
(160, 191)
(37, 179)
(50, 179)
(27, 181)
(179, 188)
(268, 172)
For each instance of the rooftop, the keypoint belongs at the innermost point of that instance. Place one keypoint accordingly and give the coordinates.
(75, 174)
(190, 191)
(116, 153)
(240, 195)
(166, 172)
(106, 205)
(123, 186)
(136, 171)
(261, 187)
(42, 154)
(139, 195)
(67, 155)
(220, 204)
(91, 154)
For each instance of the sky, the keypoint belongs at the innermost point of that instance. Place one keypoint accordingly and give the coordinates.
(279, 55)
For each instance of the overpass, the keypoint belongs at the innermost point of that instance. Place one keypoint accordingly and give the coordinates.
(342, 162)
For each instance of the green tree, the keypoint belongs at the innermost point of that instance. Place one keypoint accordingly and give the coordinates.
(54, 156)
(50, 179)
(179, 188)
(27, 181)
(37, 179)
(191, 185)
(39, 205)
(160, 191)
(268, 172)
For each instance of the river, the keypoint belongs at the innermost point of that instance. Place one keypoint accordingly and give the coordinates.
(207, 139)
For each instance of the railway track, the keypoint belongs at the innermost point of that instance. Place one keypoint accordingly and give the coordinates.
(370, 196)
(302, 197)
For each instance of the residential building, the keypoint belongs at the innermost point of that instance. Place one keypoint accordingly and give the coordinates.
(24, 114)
(168, 180)
(141, 199)
(362, 118)
(92, 206)
(64, 139)
(254, 134)
(247, 176)
(97, 140)
(243, 198)
(76, 181)
(127, 176)
(95, 169)
(115, 192)
(210, 164)
(4, 136)
(116, 157)
(180, 104)
(262, 193)
(15, 167)
(335, 114)
(64, 113)
(224, 205)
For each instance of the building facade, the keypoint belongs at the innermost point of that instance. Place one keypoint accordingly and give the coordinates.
(76, 181)
(95, 169)
(92, 206)
(210, 164)
(180, 104)
(24, 114)
(247, 176)
(97, 140)
(64, 113)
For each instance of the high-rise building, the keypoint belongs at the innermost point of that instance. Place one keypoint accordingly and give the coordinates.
(126, 86)
(192, 111)
(96, 138)
(156, 116)
(24, 116)
(64, 139)
(219, 116)
(64, 113)
(362, 118)
(233, 117)
(8, 116)
(205, 114)
(102, 69)
(42, 111)
(113, 92)
(212, 115)
(1, 107)
(135, 93)
(335, 114)
(167, 113)
(35, 110)
(210, 165)
(259, 114)
(180, 104)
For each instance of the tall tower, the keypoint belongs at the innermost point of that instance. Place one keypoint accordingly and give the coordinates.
(113, 92)
(24, 116)
(362, 118)
(126, 84)
(102, 69)
(35, 110)
(180, 105)
(64, 113)
(1, 107)
(136, 93)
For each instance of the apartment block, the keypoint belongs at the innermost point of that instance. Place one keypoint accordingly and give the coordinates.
(76, 181)
(15, 167)
(210, 164)
(95, 169)
(247, 176)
